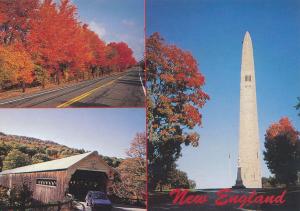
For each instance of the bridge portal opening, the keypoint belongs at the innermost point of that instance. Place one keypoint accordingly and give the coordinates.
(83, 181)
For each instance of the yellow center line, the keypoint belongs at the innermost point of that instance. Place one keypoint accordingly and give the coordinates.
(84, 95)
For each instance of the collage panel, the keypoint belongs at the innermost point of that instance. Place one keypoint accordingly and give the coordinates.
(223, 105)
(85, 57)
(135, 105)
(73, 159)
(70, 53)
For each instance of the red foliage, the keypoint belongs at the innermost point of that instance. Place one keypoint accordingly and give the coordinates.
(96, 47)
(175, 84)
(57, 41)
(122, 56)
(14, 19)
(284, 126)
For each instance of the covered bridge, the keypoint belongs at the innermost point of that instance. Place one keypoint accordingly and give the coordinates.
(51, 181)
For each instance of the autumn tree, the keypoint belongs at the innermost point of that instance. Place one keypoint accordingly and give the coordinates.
(54, 43)
(126, 58)
(15, 16)
(132, 171)
(15, 159)
(112, 161)
(175, 97)
(55, 49)
(41, 75)
(282, 153)
(45, 49)
(16, 65)
(97, 60)
(112, 58)
(121, 56)
(39, 158)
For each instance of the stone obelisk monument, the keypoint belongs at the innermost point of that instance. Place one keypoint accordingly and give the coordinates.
(249, 162)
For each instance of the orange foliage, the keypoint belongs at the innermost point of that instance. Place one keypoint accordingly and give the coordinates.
(175, 97)
(16, 65)
(175, 88)
(96, 47)
(57, 41)
(51, 38)
(14, 19)
(284, 126)
(122, 55)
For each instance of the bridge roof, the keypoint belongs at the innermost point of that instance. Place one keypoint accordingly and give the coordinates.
(53, 165)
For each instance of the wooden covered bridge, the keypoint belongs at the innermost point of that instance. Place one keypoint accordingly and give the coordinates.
(51, 181)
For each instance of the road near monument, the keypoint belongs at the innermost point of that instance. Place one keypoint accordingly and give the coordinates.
(82, 206)
(118, 90)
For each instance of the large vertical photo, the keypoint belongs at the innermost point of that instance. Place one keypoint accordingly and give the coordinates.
(223, 105)
(71, 53)
(72, 159)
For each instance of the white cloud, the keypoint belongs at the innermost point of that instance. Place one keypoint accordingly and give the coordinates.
(133, 39)
(128, 22)
(135, 42)
(98, 28)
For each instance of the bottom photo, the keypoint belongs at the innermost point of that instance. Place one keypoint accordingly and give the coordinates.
(72, 159)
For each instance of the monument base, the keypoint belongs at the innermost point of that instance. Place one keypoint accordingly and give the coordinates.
(239, 182)
(239, 187)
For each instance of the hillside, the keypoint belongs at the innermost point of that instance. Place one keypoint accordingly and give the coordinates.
(16, 151)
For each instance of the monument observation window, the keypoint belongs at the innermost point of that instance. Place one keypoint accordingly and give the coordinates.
(247, 77)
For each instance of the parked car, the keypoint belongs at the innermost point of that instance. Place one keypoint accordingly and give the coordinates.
(98, 200)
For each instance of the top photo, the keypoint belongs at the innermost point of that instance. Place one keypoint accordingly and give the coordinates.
(72, 54)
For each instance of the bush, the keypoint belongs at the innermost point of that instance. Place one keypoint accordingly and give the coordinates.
(20, 196)
(3, 196)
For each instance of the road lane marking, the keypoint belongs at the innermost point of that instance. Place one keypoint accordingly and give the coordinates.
(50, 91)
(142, 84)
(31, 96)
(84, 95)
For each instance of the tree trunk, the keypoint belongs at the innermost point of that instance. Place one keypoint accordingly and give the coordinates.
(23, 85)
(58, 77)
(43, 83)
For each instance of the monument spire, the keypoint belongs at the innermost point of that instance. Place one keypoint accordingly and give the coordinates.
(249, 162)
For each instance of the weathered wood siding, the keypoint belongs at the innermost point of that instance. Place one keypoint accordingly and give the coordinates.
(42, 193)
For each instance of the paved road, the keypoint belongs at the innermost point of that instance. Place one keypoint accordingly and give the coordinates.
(118, 90)
(84, 207)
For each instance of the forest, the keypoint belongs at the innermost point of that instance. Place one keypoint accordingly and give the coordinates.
(43, 42)
(17, 151)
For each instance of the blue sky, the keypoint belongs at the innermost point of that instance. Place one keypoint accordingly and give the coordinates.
(213, 31)
(108, 131)
(115, 21)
